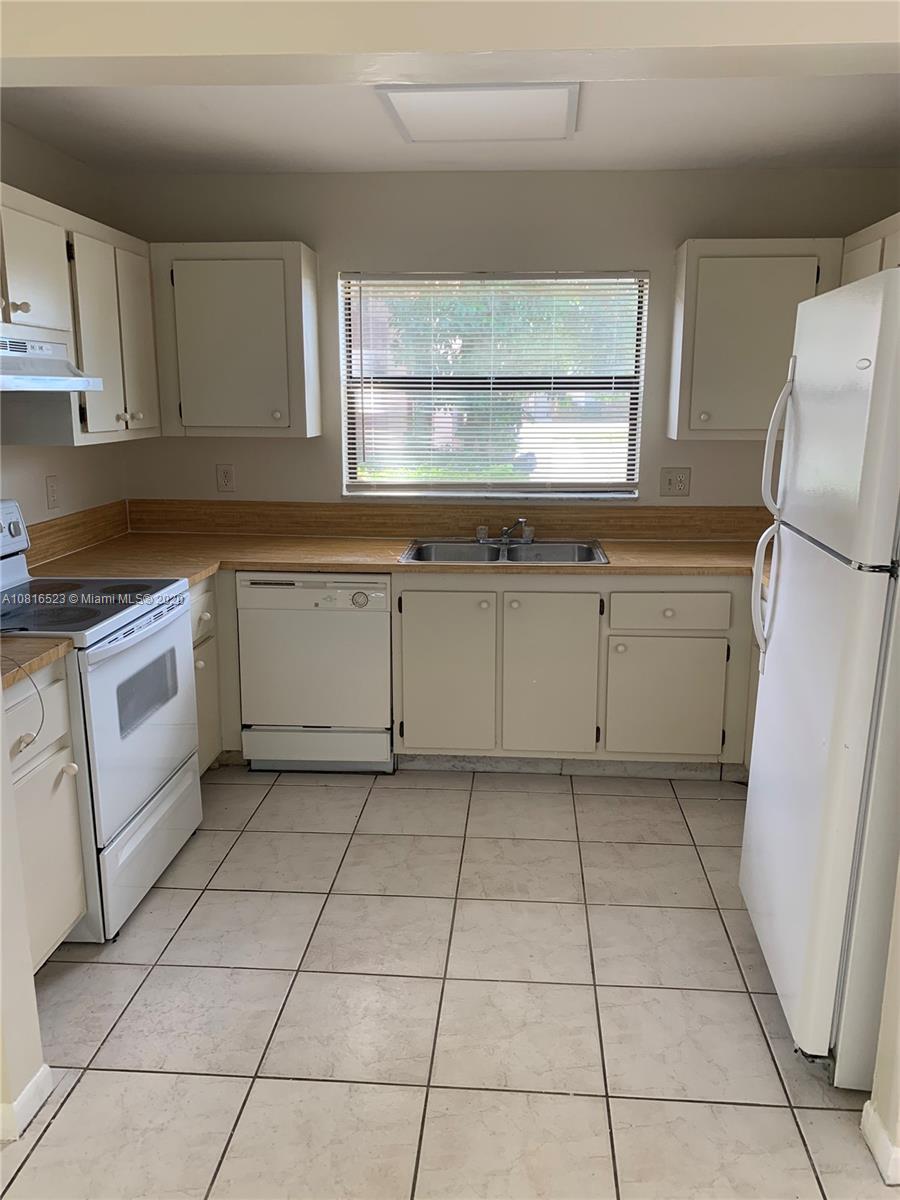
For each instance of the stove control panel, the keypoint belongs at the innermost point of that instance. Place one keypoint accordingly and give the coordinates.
(13, 534)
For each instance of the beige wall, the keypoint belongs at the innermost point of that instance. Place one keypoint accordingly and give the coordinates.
(476, 221)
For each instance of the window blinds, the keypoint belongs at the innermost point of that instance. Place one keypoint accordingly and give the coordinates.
(474, 385)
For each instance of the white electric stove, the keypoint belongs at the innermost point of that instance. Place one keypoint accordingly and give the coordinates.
(133, 712)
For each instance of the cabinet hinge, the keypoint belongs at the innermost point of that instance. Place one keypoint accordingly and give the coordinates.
(172, 276)
(400, 604)
(70, 250)
(400, 729)
(723, 739)
(597, 738)
(602, 606)
(728, 651)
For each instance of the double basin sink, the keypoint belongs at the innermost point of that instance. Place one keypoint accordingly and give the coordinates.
(469, 550)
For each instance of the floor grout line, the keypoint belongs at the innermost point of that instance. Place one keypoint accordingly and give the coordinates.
(590, 945)
(440, 1006)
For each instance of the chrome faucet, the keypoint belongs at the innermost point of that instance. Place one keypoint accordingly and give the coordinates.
(507, 531)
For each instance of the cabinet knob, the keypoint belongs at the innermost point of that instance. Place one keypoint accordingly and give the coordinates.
(206, 616)
(484, 604)
(276, 415)
(71, 768)
(199, 664)
(621, 648)
(19, 306)
(668, 612)
(137, 416)
(515, 604)
(704, 416)
(121, 416)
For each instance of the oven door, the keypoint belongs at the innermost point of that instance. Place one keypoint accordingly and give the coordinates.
(140, 712)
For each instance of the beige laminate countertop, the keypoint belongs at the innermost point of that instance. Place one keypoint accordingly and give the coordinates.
(23, 655)
(197, 556)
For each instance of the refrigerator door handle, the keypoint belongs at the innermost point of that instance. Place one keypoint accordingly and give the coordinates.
(772, 437)
(756, 588)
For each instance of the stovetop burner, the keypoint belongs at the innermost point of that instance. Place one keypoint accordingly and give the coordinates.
(73, 605)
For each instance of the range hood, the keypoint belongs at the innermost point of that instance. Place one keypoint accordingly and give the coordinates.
(29, 365)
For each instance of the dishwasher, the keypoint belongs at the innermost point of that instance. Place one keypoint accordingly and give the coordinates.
(315, 668)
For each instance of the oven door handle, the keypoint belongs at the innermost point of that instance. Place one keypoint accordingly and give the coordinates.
(91, 658)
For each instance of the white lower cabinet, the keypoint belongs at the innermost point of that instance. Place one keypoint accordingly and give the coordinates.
(550, 665)
(50, 847)
(45, 801)
(449, 663)
(206, 684)
(666, 695)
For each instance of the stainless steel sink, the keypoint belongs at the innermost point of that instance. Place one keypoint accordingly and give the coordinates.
(556, 552)
(452, 552)
(468, 550)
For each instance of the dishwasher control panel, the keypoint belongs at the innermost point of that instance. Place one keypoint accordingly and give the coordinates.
(312, 593)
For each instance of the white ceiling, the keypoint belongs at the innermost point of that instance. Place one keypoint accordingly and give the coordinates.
(651, 124)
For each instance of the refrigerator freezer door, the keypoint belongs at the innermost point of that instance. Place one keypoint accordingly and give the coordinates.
(823, 631)
(840, 465)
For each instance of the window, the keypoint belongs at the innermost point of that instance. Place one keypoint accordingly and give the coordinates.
(474, 385)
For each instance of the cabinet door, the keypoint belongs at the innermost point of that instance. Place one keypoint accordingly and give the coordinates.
(46, 804)
(449, 652)
(206, 681)
(890, 254)
(37, 272)
(744, 332)
(138, 349)
(665, 695)
(97, 322)
(232, 342)
(550, 664)
(863, 261)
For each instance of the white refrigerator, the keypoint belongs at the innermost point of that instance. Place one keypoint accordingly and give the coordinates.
(822, 834)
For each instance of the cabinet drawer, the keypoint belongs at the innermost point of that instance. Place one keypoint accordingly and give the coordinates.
(670, 610)
(24, 718)
(203, 614)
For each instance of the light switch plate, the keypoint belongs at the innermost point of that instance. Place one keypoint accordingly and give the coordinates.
(675, 481)
(51, 482)
(225, 477)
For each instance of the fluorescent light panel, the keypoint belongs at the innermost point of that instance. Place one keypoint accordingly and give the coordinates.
(491, 113)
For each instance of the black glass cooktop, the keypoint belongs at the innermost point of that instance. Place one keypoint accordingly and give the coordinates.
(73, 605)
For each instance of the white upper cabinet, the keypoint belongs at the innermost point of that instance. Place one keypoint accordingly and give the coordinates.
(36, 272)
(735, 309)
(138, 348)
(92, 284)
(873, 249)
(97, 326)
(237, 338)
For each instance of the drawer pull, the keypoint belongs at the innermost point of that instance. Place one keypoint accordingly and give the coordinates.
(621, 648)
(206, 616)
(200, 664)
(668, 612)
(704, 416)
(484, 604)
(515, 604)
(70, 768)
(276, 415)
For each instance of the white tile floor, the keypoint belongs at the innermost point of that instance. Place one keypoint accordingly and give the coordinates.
(434, 985)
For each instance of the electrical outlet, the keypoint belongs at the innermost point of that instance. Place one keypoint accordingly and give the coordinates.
(51, 482)
(225, 477)
(675, 481)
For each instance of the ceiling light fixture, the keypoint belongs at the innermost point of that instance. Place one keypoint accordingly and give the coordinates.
(518, 112)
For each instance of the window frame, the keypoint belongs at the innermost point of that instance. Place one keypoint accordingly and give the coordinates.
(632, 385)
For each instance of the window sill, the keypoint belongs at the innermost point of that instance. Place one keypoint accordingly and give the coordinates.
(488, 497)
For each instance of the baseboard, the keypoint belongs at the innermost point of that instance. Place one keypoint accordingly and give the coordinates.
(884, 1151)
(16, 1115)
